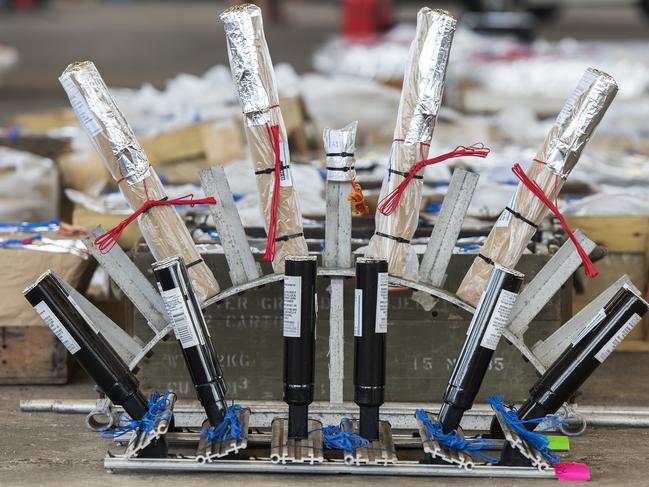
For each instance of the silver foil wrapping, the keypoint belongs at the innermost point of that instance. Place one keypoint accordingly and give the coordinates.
(253, 74)
(246, 64)
(161, 226)
(339, 145)
(557, 156)
(421, 98)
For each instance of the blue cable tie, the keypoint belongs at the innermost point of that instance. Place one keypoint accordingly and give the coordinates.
(158, 409)
(229, 429)
(454, 441)
(341, 437)
(535, 439)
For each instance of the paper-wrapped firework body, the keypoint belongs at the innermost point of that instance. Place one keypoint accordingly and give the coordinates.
(421, 98)
(554, 161)
(252, 71)
(162, 227)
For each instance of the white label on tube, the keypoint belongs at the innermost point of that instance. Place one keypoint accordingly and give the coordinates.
(57, 327)
(499, 319)
(292, 306)
(601, 314)
(381, 325)
(607, 349)
(506, 216)
(80, 107)
(285, 173)
(358, 313)
(177, 311)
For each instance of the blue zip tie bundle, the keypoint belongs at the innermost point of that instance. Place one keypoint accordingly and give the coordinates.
(24, 227)
(229, 429)
(454, 441)
(19, 242)
(158, 409)
(535, 439)
(342, 438)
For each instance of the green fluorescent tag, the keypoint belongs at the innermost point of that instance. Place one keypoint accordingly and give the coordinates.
(559, 443)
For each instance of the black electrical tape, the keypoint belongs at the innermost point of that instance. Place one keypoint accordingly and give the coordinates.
(391, 237)
(521, 217)
(289, 237)
(270, 170)
(487, 259)
(196, 262)
(404, 174)
(342, 169)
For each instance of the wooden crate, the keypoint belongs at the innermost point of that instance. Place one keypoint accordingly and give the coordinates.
(422, 345)
(31, 355)
(626, 239)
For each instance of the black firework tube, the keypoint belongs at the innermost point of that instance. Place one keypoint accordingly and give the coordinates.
(370, 331)
(88, 347)
(489, 320)
(193, 337)
(588, 350)
(300, 310)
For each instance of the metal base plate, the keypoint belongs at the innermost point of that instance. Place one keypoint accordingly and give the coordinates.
(289, 450)
(206, 452)
(380, 452)
(142, 439)
(441, 452)
(519, 444)
(412, 469)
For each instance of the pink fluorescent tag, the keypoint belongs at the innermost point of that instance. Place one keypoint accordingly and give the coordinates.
(572, 472)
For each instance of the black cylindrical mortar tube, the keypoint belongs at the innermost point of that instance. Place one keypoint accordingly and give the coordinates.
(587, 351)
(489, 320)
(88, 347)
(300, 310)
(193, 337)
(370, 333)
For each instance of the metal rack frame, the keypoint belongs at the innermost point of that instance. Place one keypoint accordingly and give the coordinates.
(246, 274)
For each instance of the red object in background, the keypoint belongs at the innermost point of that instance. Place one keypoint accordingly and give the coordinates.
(366, 18)
(24, 4)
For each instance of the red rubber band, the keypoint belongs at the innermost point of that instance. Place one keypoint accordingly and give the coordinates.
(106, 241)
(589, 267)
(389, 204)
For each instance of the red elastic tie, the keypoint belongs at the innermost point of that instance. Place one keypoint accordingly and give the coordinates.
(107, 240)
(589, 267)
(389, 204)
(269, 255)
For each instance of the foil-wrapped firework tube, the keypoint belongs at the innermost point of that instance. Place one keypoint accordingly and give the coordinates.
(551, 167)
(252, 71)
(162, 227)
(421, 97)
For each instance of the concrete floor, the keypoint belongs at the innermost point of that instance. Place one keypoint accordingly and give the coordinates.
(52, 449)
